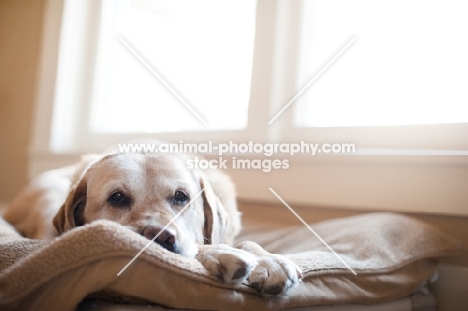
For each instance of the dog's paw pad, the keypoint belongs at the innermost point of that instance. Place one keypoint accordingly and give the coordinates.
(233, 269)
(240, 273)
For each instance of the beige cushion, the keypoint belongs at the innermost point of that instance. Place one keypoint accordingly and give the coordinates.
(392, 254)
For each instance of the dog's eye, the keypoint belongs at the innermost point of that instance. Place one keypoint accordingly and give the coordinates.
(118, 199)
(180, 198)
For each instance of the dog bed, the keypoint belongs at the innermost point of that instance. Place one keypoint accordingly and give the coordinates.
(392, 255)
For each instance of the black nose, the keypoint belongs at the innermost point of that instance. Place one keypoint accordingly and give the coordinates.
(165, 238)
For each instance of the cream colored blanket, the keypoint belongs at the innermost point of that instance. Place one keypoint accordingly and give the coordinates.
(392, 255)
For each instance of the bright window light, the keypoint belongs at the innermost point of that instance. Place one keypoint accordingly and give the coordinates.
(408, 65)
(202, 49)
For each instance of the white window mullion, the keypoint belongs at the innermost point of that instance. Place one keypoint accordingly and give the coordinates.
(285, 67)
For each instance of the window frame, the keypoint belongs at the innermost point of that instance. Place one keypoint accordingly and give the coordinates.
(76, 138)
(435, 139)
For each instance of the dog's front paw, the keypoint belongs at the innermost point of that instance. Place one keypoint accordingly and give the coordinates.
(274, 274)
(226, 263)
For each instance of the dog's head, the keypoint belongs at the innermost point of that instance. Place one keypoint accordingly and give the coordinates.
(146, 192)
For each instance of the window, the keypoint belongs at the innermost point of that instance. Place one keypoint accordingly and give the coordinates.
(409, 63)
(399, 89)
(399, 86)
(133, 67)
(398, 92)
(202, 49)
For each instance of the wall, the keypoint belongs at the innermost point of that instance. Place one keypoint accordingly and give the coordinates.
(20, 39)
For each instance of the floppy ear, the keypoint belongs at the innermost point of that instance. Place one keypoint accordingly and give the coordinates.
(215, 216)
(71, 214)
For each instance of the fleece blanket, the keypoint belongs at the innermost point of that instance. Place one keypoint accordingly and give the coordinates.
(392, 255)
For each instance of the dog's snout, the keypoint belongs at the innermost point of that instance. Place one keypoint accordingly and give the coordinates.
(166, 238)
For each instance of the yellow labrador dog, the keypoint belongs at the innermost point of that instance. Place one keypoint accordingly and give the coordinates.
(145, 191)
